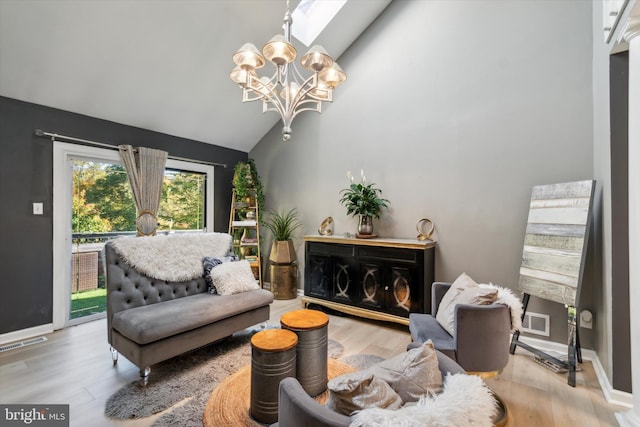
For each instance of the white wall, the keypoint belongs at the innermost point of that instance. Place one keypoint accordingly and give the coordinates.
(456, 109)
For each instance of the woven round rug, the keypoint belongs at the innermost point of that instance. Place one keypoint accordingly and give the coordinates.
(229, 402)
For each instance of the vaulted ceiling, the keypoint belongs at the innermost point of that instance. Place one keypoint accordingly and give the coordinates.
(158, 65)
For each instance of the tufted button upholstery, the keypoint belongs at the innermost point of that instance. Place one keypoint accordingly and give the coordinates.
(131, 289)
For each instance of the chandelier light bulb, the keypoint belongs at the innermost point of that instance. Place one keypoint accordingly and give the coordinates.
(332, 76)
(322, 91)
(279, 50)
(241, 75)
(265, 86)
(316, 59)
(290, 91)
(249, 57)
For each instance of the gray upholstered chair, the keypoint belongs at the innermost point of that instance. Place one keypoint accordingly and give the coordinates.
(296, 408)
(480, 343)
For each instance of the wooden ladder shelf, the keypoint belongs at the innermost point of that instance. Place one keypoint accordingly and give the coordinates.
(244, 227)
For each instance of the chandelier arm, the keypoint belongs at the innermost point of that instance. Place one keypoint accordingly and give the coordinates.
(317, 108)
(281, 74)
(246, 95)
(304, 89)
(267, 94)
(271, 98)
(297, 76)
(270, 106)
(328, 98)
(277, 105)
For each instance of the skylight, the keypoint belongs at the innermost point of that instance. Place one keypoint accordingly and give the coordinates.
(312, 16)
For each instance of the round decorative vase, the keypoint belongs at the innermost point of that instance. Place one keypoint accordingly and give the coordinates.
(365, 225)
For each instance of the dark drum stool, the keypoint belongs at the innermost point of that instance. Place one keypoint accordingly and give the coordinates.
(311, 367)
(273, 358)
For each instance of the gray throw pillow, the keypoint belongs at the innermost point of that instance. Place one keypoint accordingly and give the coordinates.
(413, 373)
(359, 390)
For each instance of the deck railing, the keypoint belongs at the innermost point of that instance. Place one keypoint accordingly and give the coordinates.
(87, 271)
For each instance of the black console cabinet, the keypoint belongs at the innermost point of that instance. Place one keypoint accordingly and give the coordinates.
(381, 279)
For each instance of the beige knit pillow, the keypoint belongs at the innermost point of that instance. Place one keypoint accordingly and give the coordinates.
(464, 290)
(233, 277)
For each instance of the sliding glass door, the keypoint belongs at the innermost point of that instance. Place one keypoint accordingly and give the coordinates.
(93, 203)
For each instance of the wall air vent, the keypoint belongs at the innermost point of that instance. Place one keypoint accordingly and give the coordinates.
(21, 344)
(536, 323)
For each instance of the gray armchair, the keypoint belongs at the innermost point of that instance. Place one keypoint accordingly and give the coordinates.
(481, 333)
(296, 408)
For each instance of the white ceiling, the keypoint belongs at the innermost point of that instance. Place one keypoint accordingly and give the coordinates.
(161, 65)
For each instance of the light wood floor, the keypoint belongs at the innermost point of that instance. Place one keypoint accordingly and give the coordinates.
(74, 366)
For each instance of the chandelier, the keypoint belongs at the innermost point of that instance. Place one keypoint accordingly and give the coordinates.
(287, 92)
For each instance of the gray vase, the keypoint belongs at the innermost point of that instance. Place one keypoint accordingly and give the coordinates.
(365, 225)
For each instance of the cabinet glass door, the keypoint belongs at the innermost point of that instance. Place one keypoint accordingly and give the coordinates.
(318, 277)
(344, 280)
(400, 300)
(371, 286)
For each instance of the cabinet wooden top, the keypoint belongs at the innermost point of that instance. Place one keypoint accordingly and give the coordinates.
(378, 241)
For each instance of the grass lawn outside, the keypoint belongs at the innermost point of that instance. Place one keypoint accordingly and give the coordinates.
(88, 302)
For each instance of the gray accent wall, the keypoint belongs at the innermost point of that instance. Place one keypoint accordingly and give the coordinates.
(26, 258)
(456, 109)
(621, 323)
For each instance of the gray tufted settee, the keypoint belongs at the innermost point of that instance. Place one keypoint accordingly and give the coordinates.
(151, 320)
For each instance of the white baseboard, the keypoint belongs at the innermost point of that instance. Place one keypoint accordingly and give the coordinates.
(617, 397)
(24, 334)
(628, 419)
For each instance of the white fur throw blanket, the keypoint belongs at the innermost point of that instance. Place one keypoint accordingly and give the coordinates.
(174, 258)
(507, 297)
(465, 402)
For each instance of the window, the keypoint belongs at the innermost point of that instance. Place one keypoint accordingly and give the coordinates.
(103, 203)
(311, 17)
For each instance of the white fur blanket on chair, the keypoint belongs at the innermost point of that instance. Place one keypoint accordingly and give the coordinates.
(174, 258)
(507, 297)
(465, 402)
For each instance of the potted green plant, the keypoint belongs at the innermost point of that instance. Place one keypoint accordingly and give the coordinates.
(248, 186)
(364, 200)
(283, 271)
(282, 225)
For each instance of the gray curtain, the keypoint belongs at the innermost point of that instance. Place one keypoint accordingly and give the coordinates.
(145, 169)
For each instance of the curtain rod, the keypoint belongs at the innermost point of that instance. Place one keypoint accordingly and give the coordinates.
(53, 136)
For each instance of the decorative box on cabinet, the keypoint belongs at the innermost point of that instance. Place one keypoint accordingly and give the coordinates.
(381, 279)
